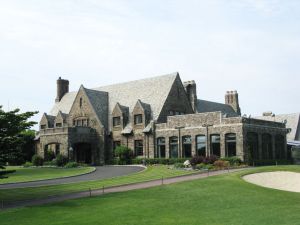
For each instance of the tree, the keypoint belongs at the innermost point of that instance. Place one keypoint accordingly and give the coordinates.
(125, 154)
(13, 128)
(27, 146)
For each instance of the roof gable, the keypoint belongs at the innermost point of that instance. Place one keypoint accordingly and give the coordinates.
(99, 102)
(154, 91)
(204, 106)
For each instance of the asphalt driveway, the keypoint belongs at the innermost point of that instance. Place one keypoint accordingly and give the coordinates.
(100, 173)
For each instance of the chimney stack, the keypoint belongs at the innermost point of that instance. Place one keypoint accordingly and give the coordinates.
(62, 88)
(232, 99)
(191, 91)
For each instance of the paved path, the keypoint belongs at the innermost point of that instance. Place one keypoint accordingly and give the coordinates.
(100, 173)
(121, 188)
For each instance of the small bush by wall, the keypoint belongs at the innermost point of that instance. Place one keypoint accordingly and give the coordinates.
(72, 165)
(61, 160)
(234, 161)
(37, 160)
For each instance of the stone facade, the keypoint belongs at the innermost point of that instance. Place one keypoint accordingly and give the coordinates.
(156, 117)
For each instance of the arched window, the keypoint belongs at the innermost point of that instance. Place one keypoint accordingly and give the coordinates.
(215, 148)
(161, 148)
(173, 147)
(252, 146)
(230, 148)
(279, 147)
(186, 146)
(267, 150)
(201, 145)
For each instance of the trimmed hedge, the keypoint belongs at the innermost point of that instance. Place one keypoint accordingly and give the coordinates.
(151, 161)
(162, 161)
(270, 162)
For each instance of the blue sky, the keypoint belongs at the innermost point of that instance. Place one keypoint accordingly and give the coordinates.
(250, 46)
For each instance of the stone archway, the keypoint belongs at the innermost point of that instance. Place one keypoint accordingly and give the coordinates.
(83, 152)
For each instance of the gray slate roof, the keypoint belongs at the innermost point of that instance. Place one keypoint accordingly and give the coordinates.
(204, 106)
(99, 101)
(293, 122)
(152, 91)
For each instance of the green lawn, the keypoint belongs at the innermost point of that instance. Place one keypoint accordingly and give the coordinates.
(32, 174)
(151, 173)
(219, 200)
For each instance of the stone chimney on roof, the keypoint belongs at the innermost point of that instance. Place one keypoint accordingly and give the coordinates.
(232, 99)
(191, 91)
(62, 88)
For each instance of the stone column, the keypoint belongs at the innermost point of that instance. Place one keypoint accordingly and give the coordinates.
(260, 146)
(207, 144)
(167, 147)
(193, 145)
(273, 146)
(223, 145)
(240, 145)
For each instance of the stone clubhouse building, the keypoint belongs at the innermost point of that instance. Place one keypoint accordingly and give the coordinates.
(159, 117)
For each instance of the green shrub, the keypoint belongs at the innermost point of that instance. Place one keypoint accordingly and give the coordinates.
(200, 166)
(37, 160)
(233, 161)
(50, 163)
(179, 165)
(72, 165)
(83, 165)
(152, 161)
(125, 154)
(27, 164)
(49, 155)
(221, 164)
(209, 166)
(61, 160)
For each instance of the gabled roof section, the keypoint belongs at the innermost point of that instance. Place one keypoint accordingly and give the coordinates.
(153, 91)
(204, 106)
(49, 118)
(146, 107)
(292, 122)
(63, 115)
(99, 101)
(123, 109)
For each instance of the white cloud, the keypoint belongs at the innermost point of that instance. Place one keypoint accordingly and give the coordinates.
(252, 46)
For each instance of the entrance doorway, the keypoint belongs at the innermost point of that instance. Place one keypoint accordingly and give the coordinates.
(83, 153)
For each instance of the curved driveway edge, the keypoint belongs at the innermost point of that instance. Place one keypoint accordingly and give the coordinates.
(31, 181)
(101, 172)
(121, 188)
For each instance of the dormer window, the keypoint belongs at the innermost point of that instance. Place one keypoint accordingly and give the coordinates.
(43, 127)
(58, 125)
(116, 121)
(138, 119)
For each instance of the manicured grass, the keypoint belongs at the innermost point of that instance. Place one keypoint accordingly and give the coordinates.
(41, 173)
(151, 173)
(219, 200)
